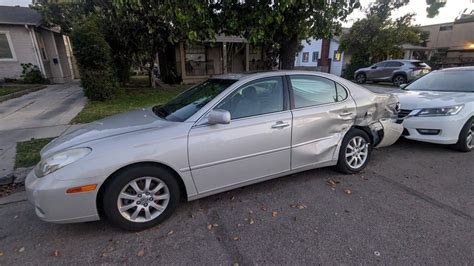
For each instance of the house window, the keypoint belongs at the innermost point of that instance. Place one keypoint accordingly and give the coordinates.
(315, 56)
(41, 47)
(305, 57)
(6, 49)
(337, 56)
(446, 28)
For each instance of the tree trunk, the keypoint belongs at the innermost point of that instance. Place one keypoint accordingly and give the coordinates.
(167, 61)
(288, 52)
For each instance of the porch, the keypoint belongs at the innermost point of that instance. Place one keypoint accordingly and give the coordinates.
(227, 54)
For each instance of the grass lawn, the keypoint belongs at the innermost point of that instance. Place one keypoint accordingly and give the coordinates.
(4, 90)
(27, 152)
(131, 99)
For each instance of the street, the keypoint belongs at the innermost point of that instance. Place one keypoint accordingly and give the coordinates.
(413, 204)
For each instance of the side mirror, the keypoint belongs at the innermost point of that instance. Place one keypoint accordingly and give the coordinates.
(373, 67)
(402, 86)
(218, 116)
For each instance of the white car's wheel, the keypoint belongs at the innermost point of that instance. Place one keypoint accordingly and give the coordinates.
(466, 137)
(140, 197)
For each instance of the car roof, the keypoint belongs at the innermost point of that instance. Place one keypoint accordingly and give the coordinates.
(466, 68)
(270, 73)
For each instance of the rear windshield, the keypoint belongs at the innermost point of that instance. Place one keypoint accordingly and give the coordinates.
(419, 64)
(450, 81)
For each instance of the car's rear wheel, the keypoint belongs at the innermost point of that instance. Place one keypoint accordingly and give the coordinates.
(361, 78)
(355, 152)
(466, 137)
(399, 80)
(140, 197)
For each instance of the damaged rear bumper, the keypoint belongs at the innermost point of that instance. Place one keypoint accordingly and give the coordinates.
(385, 132)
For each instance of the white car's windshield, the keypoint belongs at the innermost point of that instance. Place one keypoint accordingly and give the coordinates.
(449, 81)
(190, 101)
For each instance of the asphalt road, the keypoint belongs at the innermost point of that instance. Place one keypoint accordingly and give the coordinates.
(414, 204)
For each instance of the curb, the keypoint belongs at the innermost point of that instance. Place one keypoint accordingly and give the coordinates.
(13, 198)
(21, 93)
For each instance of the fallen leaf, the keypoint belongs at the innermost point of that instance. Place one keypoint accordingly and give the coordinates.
(236, 238)
(348, 191)
(1, 253)
(263, 208)
(209, 227)
(251, 221)
(298, 206)
(274, 213)
(56, 253)
(170, 232)
(250, 211)
(21, 249)
(215, 225)
(141, 253)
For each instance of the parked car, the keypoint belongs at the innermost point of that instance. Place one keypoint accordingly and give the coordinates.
(396, 71)
(439, 108)
(227, 132)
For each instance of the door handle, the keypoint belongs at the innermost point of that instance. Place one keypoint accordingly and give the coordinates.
(280, 124)
(346, 114)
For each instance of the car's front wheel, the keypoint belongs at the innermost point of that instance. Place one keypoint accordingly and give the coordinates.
(466, 137)
(140, 197)
(361, 78)
(355, 151)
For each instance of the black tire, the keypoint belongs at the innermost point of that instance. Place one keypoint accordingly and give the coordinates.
(342, 164)
(399, 80)
(120, 180)
(361, 78)
(466, 131)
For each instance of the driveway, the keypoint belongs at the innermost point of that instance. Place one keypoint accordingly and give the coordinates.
(413, 205)
(40, 114)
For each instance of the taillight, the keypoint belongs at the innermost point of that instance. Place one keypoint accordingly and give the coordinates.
(416, 68)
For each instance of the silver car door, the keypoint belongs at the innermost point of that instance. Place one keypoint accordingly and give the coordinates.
(376, 72)
(323, 112)
(255, 144)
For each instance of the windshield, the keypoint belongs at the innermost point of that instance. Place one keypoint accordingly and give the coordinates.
(189, 102)
(451, 80)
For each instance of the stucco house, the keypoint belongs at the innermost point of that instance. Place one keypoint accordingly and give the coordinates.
(24, 40)
(320, 55)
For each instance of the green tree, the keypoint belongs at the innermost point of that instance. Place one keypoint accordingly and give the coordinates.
(377, 36)
(93, 57)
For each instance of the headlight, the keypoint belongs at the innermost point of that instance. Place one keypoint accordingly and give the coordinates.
(442, 111)
(59, 160)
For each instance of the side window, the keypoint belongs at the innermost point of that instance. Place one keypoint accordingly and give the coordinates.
(341, 93)
(312, 90)
(393, 64)
(258, 97)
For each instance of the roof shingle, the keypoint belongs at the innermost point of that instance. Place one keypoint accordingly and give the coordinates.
(19, 15)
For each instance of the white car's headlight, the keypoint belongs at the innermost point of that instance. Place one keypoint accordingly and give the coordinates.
(442, 111)
(59, 160)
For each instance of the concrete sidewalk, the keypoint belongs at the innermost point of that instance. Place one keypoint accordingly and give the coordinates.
(41, 114)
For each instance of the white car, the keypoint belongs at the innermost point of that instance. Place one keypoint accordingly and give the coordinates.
(439, 108)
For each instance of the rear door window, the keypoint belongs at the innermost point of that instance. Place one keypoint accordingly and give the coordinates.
(312, 90)
(394, 64)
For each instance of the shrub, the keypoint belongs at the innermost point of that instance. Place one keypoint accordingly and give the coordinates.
(93, 56)
(32, 75)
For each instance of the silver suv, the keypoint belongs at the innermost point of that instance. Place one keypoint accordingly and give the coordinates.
(397, 71)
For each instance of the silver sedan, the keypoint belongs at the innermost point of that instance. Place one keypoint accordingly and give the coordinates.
(229, 131)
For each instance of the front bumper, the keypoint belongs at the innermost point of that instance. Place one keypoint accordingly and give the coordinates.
(448, 126)
(52, 203)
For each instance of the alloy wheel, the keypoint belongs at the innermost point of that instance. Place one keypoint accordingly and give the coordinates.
(143, 199)
(399, 80)
(470, 137)
(357, 151)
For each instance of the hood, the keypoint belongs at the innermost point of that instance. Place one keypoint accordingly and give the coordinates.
(410, 100)
(112, 126)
